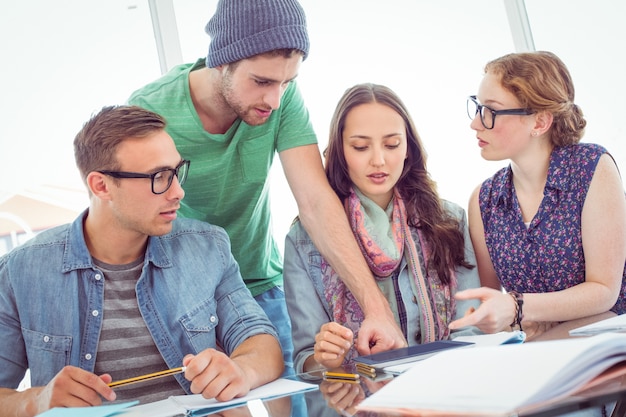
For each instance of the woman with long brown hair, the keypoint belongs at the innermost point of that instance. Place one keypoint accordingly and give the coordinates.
(416, 244)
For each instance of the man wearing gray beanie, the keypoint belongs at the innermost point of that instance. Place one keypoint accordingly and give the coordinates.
(229, 113)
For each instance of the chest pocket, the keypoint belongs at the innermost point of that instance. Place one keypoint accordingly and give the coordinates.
(200, 326)
(47, 355)
(256, 157)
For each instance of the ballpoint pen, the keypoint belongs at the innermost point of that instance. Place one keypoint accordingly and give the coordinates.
(147, 377)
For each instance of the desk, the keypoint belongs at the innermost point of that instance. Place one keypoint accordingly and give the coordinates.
(561, 331)
(316, 403)
(335, 399)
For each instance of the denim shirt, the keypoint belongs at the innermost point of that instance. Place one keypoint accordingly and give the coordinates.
(190, 294)
(307, 305)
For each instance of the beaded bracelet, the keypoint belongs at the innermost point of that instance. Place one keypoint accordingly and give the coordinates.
(519, 313)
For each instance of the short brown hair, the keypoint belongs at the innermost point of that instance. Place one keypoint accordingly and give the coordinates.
(96, 143)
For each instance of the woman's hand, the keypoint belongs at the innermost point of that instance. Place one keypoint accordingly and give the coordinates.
(332, 343)
(496, 312)
(342, 397)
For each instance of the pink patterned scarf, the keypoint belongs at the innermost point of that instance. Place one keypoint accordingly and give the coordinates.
(434, 299)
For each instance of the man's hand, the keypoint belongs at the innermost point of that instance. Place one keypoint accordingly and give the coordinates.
(379, 333)
(332, 343)
(214, 375)
(71, 387)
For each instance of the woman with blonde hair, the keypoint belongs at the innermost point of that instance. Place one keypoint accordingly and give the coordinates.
(550, 228)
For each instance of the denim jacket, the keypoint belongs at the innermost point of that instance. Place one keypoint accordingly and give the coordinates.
(190, 294)
(307, 305)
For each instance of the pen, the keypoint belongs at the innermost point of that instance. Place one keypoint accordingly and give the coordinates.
(147, 377)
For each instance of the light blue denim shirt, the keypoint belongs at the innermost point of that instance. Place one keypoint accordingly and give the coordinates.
(190, 294)
(307, 305)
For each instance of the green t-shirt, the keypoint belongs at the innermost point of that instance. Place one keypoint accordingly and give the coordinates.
(228, 182)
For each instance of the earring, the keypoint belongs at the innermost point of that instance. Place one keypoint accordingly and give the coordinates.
(533, 133)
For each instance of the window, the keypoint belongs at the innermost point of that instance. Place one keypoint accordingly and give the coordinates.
(65, 60)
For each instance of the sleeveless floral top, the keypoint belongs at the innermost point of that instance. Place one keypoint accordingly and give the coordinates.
(548, 255)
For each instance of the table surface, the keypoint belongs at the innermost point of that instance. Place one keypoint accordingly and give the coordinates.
(335, 399)
(319, 403)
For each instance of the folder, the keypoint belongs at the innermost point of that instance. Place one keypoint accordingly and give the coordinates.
(370, 365)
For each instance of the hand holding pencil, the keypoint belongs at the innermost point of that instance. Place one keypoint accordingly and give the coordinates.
(332, 343)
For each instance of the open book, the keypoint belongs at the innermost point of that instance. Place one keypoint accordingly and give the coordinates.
(187, 405)
(500, 380)
(196, 405)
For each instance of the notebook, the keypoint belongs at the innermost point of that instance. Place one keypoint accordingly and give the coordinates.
(370, 365)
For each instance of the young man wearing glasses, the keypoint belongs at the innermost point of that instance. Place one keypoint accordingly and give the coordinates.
(128, 289)
(231, 113)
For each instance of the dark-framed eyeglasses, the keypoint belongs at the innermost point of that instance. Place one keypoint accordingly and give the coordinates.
(161, 180)
(488, 115)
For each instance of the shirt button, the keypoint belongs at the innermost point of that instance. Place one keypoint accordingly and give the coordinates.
(88, 356)
(46, 339)
(212, 319)
(95, 313)
(98, 277)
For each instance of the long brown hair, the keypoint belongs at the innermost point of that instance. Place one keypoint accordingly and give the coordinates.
(542, 82)
(419, 191)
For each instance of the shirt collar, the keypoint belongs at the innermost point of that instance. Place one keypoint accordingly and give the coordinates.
(555, 182)
(77, 255)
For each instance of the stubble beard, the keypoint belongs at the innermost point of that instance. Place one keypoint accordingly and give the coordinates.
(231, 101)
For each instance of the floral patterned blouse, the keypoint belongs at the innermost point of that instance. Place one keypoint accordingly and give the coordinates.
(547, 255)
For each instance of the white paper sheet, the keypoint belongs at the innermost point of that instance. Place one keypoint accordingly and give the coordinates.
(181, 404)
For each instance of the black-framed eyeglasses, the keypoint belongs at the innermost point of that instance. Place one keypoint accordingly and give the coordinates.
(488, 115)
(161, 180)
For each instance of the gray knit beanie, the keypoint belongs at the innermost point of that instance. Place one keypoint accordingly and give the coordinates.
(240, 29)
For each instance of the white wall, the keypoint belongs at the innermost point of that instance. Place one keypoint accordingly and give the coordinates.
(64, 60)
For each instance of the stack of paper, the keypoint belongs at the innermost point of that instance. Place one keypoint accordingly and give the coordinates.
(499, 380)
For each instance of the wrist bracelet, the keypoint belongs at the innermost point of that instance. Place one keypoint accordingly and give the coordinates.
(519, 313)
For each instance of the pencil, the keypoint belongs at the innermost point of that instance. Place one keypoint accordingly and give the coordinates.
(147, 377)
(340, 375)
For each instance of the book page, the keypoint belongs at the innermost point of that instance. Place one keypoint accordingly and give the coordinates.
(97, 411)
(496, 380)
(186, 404)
